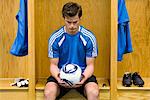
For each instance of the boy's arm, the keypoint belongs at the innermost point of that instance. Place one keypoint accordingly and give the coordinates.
(55, 72)
(54, 68)
(88, 72)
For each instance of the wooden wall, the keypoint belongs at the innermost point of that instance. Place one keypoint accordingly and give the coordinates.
(48, 18)
(139, 60)
(96, 17)
(10, 66)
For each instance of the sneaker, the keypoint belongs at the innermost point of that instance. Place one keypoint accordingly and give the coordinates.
(127, 79)
(137, 80)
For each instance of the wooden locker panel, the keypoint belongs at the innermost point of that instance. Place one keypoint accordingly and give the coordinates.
(133, 95)
(10, 66)
(48, 18)
(139, 59)
(13, 95)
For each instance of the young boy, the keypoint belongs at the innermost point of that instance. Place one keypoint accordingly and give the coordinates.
(72, 44)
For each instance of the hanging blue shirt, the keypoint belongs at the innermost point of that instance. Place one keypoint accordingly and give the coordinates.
(72, 49)
(124, 39)
(20, 45)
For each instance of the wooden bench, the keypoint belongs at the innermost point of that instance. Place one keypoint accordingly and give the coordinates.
(133, 92)
(8, 92)
(13, 93)
(124, 93)
(73, 95)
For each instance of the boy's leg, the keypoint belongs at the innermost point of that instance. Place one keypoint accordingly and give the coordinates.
(53, 90)
(90, 89)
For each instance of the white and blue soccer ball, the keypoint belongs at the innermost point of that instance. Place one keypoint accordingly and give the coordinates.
(71, 73)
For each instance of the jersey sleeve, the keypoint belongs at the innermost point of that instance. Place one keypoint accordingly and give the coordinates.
(53, 49)
(91, 48)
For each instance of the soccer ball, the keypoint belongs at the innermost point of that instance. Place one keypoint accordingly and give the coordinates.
(71, 74)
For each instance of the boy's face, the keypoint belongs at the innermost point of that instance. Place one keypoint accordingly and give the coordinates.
(72, 24)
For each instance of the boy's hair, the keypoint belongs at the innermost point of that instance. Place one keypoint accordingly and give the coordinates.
(71, 9)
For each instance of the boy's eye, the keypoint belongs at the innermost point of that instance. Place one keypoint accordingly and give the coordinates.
(75, 22)
(69, 22)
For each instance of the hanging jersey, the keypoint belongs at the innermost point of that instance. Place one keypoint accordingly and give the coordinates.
(20, 45)
(122, 12)
(72, 49)
(124, 39)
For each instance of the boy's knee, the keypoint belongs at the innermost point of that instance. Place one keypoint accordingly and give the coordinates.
(50, 92)
(94, 92)
(47, 93)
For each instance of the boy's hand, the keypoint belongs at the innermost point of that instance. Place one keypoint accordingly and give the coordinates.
(63, 83)
(80, 83)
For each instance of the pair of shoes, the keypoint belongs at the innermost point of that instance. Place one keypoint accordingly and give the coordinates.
(129, 77)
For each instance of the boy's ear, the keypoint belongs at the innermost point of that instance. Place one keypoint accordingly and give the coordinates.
(80, 18)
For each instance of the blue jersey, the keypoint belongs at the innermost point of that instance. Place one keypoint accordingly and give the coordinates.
(20, 45)
(72, 49)
(124, 39)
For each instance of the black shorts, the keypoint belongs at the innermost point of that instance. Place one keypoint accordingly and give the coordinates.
(64, 90)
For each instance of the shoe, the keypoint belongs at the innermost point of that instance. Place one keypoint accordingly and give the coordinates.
(137, 80)
(127, 79)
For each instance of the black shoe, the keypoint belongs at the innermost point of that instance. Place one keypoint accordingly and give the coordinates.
(137, 80)
(127, 79)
